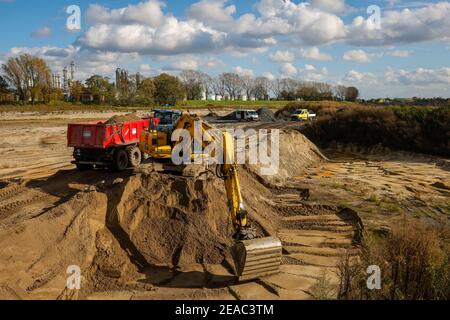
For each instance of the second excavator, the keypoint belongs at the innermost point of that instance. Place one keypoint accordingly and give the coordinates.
(253, 257)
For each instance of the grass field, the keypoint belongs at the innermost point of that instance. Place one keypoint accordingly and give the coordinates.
(195, 104)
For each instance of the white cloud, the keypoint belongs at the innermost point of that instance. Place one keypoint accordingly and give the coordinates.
(282, 56)
(309, 67)
(212, 12)
(430, 23)
(288, 70)
(185, 64)
(334, 6)
(354, 76)
(244, 72)
(314, 53)
(87, 62)
(269, 75)
(148, 13)
(359, 56)
(43, 32)
(420, 76)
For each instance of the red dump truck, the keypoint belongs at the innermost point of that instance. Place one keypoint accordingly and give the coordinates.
(110, 144)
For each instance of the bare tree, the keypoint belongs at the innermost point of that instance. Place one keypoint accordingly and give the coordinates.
(232, 83)
(261, 88)
(192, 81)
(207, 84)
(276, 87)
(340, 92)
(219, 86)
(248, 85)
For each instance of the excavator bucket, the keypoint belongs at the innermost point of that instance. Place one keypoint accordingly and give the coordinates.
(257, 258)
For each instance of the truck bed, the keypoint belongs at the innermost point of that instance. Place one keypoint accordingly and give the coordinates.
(98, 135)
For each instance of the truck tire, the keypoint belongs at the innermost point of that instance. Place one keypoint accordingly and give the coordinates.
(120, 160)
(134, 156)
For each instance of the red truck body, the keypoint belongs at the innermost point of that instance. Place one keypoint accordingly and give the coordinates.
(97, 135)
(98, 144)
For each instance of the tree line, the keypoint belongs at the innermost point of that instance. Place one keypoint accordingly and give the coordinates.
(30, 79)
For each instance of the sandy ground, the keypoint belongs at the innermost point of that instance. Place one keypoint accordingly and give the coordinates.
(153, 236)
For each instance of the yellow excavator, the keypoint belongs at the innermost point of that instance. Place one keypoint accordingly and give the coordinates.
(253, 257)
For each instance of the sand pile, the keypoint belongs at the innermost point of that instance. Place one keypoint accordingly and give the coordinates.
(266, 115)
(297, 155)
(172, 220)
(121, 119)
(111, 232)
(36, 252)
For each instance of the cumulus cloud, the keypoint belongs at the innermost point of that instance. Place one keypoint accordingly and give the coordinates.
(212, 12)
(282, 56)
(354, 76)
(334, 6)
(148, 13)
(430, 23)
(244, 72)
(314, 53)
(288, 70)
(87, 62)
(420, 76)
(269, 75)
(359, 56)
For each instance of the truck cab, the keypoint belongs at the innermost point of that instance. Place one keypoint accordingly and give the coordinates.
(166, 119)
(302, 115)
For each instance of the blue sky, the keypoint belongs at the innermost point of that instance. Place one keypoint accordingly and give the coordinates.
(322, 40)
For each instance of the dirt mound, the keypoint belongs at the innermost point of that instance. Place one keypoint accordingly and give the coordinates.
(296, 155)
(172, 220)
(229, 117)
(112, 232)
(266, 115)
(121, 119)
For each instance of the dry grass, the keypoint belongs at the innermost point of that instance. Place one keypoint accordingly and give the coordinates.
(414, 261)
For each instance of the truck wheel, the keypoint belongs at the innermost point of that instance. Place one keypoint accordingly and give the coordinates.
(134, 156)
(120, 160)
(84, 167)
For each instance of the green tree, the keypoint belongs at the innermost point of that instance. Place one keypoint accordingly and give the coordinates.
(146, 92)
(352, 94)
(29, 76)
(100, 87)
(4, 88)
(76, 90)
(169, 89)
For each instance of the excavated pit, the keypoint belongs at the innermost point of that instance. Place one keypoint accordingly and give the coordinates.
(141, 232)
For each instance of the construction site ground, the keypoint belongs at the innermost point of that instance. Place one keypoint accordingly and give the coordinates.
(147, 235)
